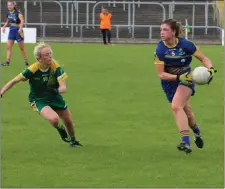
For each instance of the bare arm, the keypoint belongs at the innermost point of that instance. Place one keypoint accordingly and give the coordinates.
(163, 75)
(21, 21)
(10, 84)
(205, 60)
(6, 23)
(62, 87)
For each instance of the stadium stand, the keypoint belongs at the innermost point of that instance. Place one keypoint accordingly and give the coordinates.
(49, 13)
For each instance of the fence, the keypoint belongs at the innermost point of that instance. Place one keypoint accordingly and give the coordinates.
(137, 21)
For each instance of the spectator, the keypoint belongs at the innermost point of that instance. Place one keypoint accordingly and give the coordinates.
(105, 25)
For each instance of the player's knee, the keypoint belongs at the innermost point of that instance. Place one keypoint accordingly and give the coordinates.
(54, 120)
(9, 48)
(176, 107)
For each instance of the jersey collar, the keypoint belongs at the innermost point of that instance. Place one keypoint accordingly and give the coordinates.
(43, 68)
(12, 11)
(171, 46)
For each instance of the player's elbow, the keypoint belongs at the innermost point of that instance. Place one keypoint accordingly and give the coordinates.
(65, 89)
(62, 89)
(16, 80)
(161, 75)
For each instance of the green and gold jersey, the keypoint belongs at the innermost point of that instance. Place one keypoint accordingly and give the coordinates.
(40, 80)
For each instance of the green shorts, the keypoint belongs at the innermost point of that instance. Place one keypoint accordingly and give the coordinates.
(56, 104)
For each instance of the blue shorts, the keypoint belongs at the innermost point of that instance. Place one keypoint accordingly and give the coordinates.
(170, 87)
(14, 35)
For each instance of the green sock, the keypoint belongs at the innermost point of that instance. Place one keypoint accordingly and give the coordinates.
(59, 126)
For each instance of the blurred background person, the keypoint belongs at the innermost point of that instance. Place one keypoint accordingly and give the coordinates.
(15, 20)
(105, 25)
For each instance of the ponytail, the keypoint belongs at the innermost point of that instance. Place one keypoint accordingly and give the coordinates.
(178, 29)
(175, 26)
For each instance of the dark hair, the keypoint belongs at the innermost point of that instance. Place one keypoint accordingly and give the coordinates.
(174, 25)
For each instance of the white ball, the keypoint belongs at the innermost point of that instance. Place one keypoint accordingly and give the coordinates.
(201, 75)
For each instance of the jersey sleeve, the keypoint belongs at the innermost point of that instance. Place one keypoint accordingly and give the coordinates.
(26, 74)
(192, 49)
(158, 56)
(60, 74)
(20, 15)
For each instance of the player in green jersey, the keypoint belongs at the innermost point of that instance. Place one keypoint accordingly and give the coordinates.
(47, 83)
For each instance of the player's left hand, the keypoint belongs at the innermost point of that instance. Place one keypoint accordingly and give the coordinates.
(212, 71)
(20, 31)
(185, 78)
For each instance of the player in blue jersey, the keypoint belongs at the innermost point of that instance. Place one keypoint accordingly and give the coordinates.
(173, 57)
(15, 21)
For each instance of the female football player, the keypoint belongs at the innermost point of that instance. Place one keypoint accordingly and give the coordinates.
(15, 21)
(47, 83)
(173, 57)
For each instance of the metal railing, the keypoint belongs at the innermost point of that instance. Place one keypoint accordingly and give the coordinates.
(133, 3)
(220, 15)
(172, 7)
(116, 27)
(41, 10)
(72, 8)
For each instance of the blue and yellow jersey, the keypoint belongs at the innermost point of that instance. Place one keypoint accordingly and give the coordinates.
(40, 80)
(176, 58)
(14, 17)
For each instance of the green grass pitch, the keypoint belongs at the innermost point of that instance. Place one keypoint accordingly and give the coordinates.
(122, 118)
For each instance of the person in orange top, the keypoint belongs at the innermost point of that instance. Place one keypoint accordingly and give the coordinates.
(105, 25)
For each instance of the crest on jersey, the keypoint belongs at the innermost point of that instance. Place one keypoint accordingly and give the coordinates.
(52, 79)
(181, 52)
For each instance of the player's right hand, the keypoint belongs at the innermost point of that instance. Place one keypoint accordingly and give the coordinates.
(212, 71)
(185, 78)
(3, 29)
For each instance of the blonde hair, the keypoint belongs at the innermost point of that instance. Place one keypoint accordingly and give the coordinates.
(39, 47)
